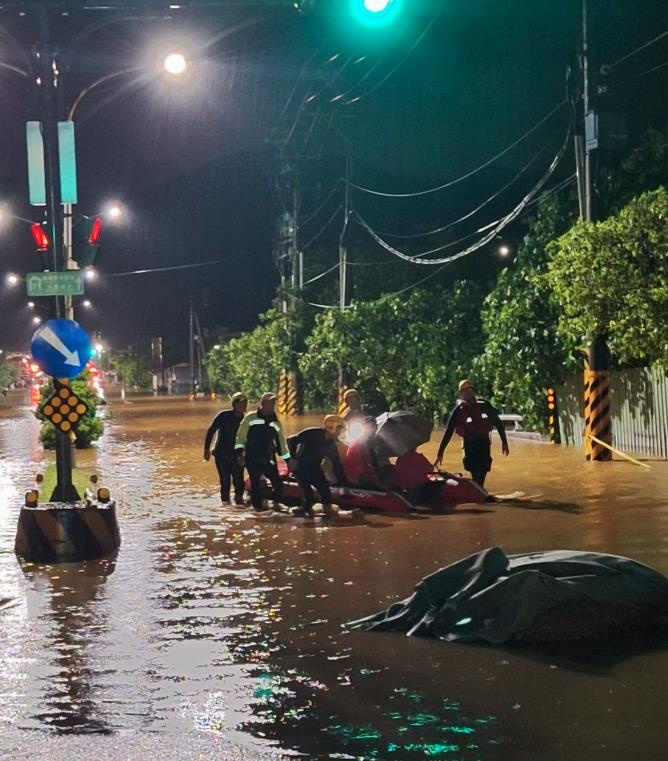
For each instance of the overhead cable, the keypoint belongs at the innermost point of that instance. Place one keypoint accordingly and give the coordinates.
(322, 274)
(165, 269)
(392, 71)
(468, 174)
(322, 229)
(321, 207)
(637, 50)
(477, 208)
(503, 222)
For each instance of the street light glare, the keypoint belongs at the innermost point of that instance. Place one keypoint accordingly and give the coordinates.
(90, 274)
(86, 304)
(12, 279)
(115, 211)
(175, 63)
(31, 305)
(504, 250)
(36, 320)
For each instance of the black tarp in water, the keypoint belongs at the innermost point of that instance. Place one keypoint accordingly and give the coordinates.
(543, 596)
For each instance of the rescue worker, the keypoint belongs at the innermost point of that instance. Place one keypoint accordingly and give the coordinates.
(259, 439)
(354, 407)
(308, 449)
(473, 419)
(225, 426)
(366, 464)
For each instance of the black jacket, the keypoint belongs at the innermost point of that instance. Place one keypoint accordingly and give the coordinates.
(310, 446)
(225, 424)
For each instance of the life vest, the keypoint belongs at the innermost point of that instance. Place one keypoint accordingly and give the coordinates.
(472, 420)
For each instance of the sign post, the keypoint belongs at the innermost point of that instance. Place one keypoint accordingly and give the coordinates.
(62, 348)
(68, 283)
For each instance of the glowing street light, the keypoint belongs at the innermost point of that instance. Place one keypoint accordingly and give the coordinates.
(12, 280)
(376, 6)
(31, 305)
(114, 211)
(36, 320)
(86, 304)
(90, 273)
(504, 250)
(175, 63)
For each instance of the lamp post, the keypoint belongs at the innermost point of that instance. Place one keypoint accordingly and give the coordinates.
(174, 64)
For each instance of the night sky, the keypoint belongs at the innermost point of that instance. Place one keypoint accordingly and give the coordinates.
(191, 163)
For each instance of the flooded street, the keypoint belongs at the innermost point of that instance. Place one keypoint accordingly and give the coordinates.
(217, 633)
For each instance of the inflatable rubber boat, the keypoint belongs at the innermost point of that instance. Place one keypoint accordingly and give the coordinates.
(445, 489)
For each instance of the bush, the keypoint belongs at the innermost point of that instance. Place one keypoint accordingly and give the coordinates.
(90, 427)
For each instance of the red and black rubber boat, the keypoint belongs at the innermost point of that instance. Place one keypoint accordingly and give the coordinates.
(445, 490)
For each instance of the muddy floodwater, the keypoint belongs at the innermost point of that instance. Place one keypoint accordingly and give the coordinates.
(216, 633)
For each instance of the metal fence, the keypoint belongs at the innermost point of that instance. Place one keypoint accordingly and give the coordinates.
(638, 406)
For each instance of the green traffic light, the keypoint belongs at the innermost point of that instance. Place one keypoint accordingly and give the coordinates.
(375, 12)
(376, 6)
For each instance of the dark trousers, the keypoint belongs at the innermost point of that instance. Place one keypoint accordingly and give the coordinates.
(477, 458)
(230, 470)
(255, 471)
(312, 476)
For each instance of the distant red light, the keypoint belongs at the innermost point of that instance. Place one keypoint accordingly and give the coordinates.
(40, 237)
(95, 232)
(34, 368)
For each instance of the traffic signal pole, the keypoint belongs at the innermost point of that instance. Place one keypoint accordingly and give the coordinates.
(47, 83)
(597, 420)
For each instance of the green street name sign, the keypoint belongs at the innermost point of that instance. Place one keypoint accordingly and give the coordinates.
(55, 283)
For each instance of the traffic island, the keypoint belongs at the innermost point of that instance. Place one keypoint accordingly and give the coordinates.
(65, 532)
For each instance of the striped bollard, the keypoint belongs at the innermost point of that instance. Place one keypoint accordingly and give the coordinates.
(282, 401)
(598, 424)
(293, 399)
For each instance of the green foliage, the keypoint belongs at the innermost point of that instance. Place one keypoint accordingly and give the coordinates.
(133, 370)
(406, 352)
(611, 278)
(8, 373)
(524, 354)
(252, 362)
(90, 427)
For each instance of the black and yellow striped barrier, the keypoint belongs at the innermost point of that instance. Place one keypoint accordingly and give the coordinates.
(66, 533)
(293, 405)
(597, 414)
(282, 395)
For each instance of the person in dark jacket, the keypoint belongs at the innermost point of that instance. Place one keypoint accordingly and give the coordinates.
(225, 426)
(259, 439)
(473, 419)
(308, 449)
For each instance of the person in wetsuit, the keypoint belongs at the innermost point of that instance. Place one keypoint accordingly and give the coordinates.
(225, 426)
(308, 449)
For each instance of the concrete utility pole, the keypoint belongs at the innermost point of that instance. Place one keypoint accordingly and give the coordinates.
(597, 422)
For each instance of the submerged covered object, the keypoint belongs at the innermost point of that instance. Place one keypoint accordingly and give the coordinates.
(539, 597)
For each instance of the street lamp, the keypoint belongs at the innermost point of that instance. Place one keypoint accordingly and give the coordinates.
(175, 63)
(31, 305)
(36, 320)
(115, 211)
(86, 304)
(90, 274)
(504, 250)
(12, 280)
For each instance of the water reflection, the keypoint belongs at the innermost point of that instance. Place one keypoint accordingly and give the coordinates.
(64, 603)
(219, 622)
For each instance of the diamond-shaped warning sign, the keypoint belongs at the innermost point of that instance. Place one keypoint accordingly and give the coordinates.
(64, 408)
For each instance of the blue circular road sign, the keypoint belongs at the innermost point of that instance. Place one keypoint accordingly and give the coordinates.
(61, 348)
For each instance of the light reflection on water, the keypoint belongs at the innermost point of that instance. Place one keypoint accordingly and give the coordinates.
(213, 621)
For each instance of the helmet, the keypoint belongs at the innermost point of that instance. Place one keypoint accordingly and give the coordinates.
(332, 422)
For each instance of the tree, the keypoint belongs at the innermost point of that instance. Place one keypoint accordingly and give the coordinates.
(132, 370)
(402, 352)
(611, 278)
(8, 373)
(524, 354)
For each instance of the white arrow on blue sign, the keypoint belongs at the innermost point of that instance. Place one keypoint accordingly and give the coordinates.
(61, 348)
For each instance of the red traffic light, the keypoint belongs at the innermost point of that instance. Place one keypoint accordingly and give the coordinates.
(40, 237)
(95, 232)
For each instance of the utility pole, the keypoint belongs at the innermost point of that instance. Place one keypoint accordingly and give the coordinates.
(343, 245)
(598, 425)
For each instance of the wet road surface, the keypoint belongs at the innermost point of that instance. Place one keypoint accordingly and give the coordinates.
(218, 634)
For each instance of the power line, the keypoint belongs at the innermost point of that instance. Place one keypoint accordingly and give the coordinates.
(398, 65)
(503, 222)
(322, 229)
(165, 269)
(477, 208)
(321, 207)
(322, 274)
(637, 50)
(468, 174)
